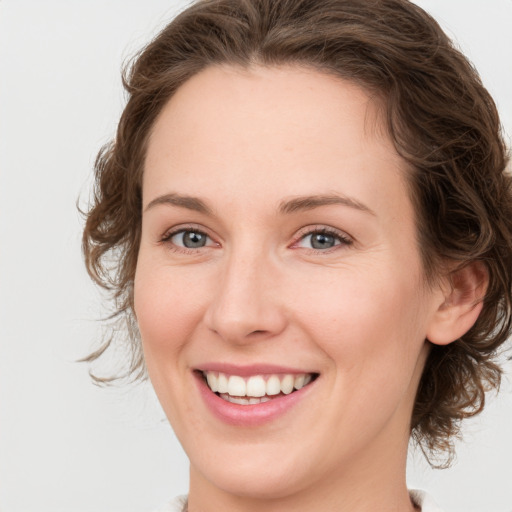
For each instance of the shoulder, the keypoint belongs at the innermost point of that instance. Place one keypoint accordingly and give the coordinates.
(175, 505)
(424, 501)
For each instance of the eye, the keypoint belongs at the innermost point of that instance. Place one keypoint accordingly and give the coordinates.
(188, 239)
(323, 239)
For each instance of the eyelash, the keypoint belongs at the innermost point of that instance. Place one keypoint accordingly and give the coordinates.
(167, 237)
(343, 238)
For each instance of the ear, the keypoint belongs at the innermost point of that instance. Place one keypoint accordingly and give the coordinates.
(464, 291)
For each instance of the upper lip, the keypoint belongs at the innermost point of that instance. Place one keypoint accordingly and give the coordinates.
(251, 369)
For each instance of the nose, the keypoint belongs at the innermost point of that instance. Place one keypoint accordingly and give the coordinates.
(246, 303)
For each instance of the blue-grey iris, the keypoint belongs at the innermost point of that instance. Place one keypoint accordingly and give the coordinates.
(193, 239)
(322, 241)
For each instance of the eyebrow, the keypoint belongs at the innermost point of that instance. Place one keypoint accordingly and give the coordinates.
(310, 202)
(301, 203)
(188, 202)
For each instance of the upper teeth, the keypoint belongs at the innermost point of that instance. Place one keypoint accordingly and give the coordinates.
(256, 385)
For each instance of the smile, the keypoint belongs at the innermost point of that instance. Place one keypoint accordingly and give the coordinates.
(255, 389)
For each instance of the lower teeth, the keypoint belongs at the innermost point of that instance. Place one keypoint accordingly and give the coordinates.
(242, 400)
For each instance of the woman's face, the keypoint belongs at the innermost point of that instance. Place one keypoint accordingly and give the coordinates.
(278, 247)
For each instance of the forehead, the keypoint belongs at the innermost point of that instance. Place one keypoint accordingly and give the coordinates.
(284, 104)
(280, 129)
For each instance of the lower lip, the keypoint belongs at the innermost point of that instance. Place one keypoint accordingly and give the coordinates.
(249, 415)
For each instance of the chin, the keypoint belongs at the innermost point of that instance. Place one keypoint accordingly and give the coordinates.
(251, 480)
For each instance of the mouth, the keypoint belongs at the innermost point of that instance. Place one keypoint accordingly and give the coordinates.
(255, 389)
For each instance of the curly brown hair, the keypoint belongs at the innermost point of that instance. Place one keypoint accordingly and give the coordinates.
(439, 116)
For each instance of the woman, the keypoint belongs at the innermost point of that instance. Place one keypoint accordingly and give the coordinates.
(310, 213)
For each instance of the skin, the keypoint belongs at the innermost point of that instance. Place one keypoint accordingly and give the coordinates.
(358, 314)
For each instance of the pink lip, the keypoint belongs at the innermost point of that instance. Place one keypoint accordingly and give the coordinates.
(249, 415)
(248, 370)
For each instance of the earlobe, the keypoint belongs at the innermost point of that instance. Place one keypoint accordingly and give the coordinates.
(463, 302)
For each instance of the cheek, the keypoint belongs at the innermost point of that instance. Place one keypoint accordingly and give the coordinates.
(366, 320)
(167, 308)
(372, 332)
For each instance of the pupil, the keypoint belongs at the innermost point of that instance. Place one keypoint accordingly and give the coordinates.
(193, 240)
(322, 241)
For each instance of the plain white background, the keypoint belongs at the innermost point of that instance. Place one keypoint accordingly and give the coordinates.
(66, 445)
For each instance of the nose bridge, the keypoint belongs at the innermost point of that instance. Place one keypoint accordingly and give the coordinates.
(244, 305)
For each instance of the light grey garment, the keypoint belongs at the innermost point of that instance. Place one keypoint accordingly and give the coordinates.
(419, 498)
